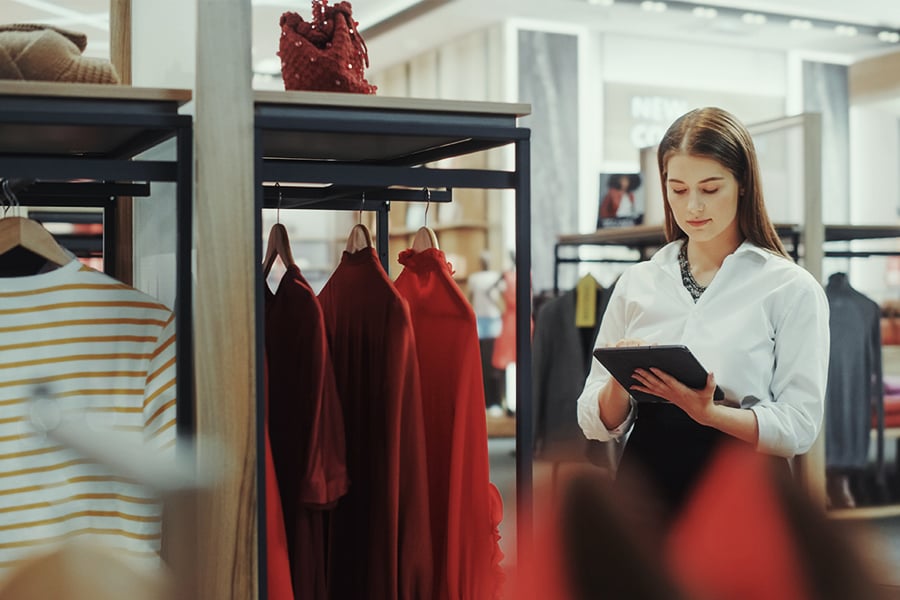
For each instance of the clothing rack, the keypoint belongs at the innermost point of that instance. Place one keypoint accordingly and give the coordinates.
(78, 145)
(646, 239)
(370, 151)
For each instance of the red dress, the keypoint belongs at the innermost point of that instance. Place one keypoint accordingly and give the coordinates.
(465, 507)
(505, 346)
(381, 535)
(278, 568)
(306, 427)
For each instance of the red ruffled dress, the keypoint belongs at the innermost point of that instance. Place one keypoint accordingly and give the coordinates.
(465, 507)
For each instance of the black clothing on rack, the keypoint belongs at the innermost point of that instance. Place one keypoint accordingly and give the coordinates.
(855, 387)
(560, 365)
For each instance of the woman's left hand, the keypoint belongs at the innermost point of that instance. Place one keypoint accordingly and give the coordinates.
(698, 404)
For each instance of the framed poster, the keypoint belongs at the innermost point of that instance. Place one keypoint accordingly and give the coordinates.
(621, 200)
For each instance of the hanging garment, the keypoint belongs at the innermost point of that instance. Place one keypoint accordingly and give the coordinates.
(465, 507)
(306, 426)
(381, 534)
(855, 388)
(505, 346)
(278, 568)
(561, 362)
(105, 353)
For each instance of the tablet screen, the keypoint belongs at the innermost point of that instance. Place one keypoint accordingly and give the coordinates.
(675, 360)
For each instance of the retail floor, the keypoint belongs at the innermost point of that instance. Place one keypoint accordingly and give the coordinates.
(880, 538)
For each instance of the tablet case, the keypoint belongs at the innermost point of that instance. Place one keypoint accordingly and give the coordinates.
(675, 360)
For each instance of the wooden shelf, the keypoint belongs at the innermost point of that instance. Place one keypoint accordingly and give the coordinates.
(865, 512)
(501, 427)
(95, 91)
(640, 235)
(377, 129)
(85, 120)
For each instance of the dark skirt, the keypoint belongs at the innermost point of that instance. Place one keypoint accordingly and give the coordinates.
(666, 453)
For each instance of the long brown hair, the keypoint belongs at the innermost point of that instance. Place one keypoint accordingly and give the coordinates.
(717, 134)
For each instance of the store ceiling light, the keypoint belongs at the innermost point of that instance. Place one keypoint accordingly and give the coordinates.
(650, 6)
(754, 18)
(705, 12)
(846, 30)
(727, 15)
(601, 2)
(801, 24)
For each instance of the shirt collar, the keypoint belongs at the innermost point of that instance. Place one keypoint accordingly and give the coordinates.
(668, 254)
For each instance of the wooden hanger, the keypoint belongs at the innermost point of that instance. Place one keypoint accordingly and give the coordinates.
(28, 234)
(425, 238)
(279, 245)
(360, 238)
(31, 235)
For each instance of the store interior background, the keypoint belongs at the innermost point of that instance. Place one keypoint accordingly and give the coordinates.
(604, 80)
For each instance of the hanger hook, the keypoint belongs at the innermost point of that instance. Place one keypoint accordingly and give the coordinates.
(427, 203)
(362, 204)
(9, 199)
(278, 207)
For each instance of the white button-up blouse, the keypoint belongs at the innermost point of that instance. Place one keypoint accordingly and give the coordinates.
(761, 327)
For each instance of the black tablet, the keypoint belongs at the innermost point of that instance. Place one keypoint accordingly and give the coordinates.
(677, 361)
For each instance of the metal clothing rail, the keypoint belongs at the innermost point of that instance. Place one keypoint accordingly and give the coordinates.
(643, 239)
(55, 133)
(103, 195)
(646, 238)
(372, 144)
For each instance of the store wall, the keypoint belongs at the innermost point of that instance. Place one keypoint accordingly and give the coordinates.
(468, 68)
(548, 80)
(874, 198)
(162, 62)
(825, 92)
(875, 169)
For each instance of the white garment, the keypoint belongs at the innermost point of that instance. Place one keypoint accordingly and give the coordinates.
(761, 327)
(106, 353)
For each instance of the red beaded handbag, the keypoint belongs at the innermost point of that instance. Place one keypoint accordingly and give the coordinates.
(326, 54)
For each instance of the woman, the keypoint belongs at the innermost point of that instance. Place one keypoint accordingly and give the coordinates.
(724, 287)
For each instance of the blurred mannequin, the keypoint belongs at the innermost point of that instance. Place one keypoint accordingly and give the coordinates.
(485, 294)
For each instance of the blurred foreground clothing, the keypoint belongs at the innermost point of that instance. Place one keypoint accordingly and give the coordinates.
(747, 532)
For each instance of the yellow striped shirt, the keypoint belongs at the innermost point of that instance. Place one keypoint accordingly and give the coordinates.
(106, 353)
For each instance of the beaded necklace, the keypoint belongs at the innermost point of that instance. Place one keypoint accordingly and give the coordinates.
(687, 278)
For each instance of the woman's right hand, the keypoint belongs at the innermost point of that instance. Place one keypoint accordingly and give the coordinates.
(624, 343)
(614, 400)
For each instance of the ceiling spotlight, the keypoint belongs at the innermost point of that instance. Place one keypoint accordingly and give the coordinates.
(889, 36)
(651, 6)
(753, 19)
(703, 12)
(847, 30)
(802, 24)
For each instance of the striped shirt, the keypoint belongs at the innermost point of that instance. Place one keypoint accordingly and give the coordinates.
(106, 353)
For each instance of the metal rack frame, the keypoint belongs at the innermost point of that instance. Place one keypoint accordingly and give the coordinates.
(367, 144)
(56, 133)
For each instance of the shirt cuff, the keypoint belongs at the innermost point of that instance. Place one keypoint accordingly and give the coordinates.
(625, 427)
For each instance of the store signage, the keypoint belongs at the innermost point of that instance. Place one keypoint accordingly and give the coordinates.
(651, 116)
(636, 116)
